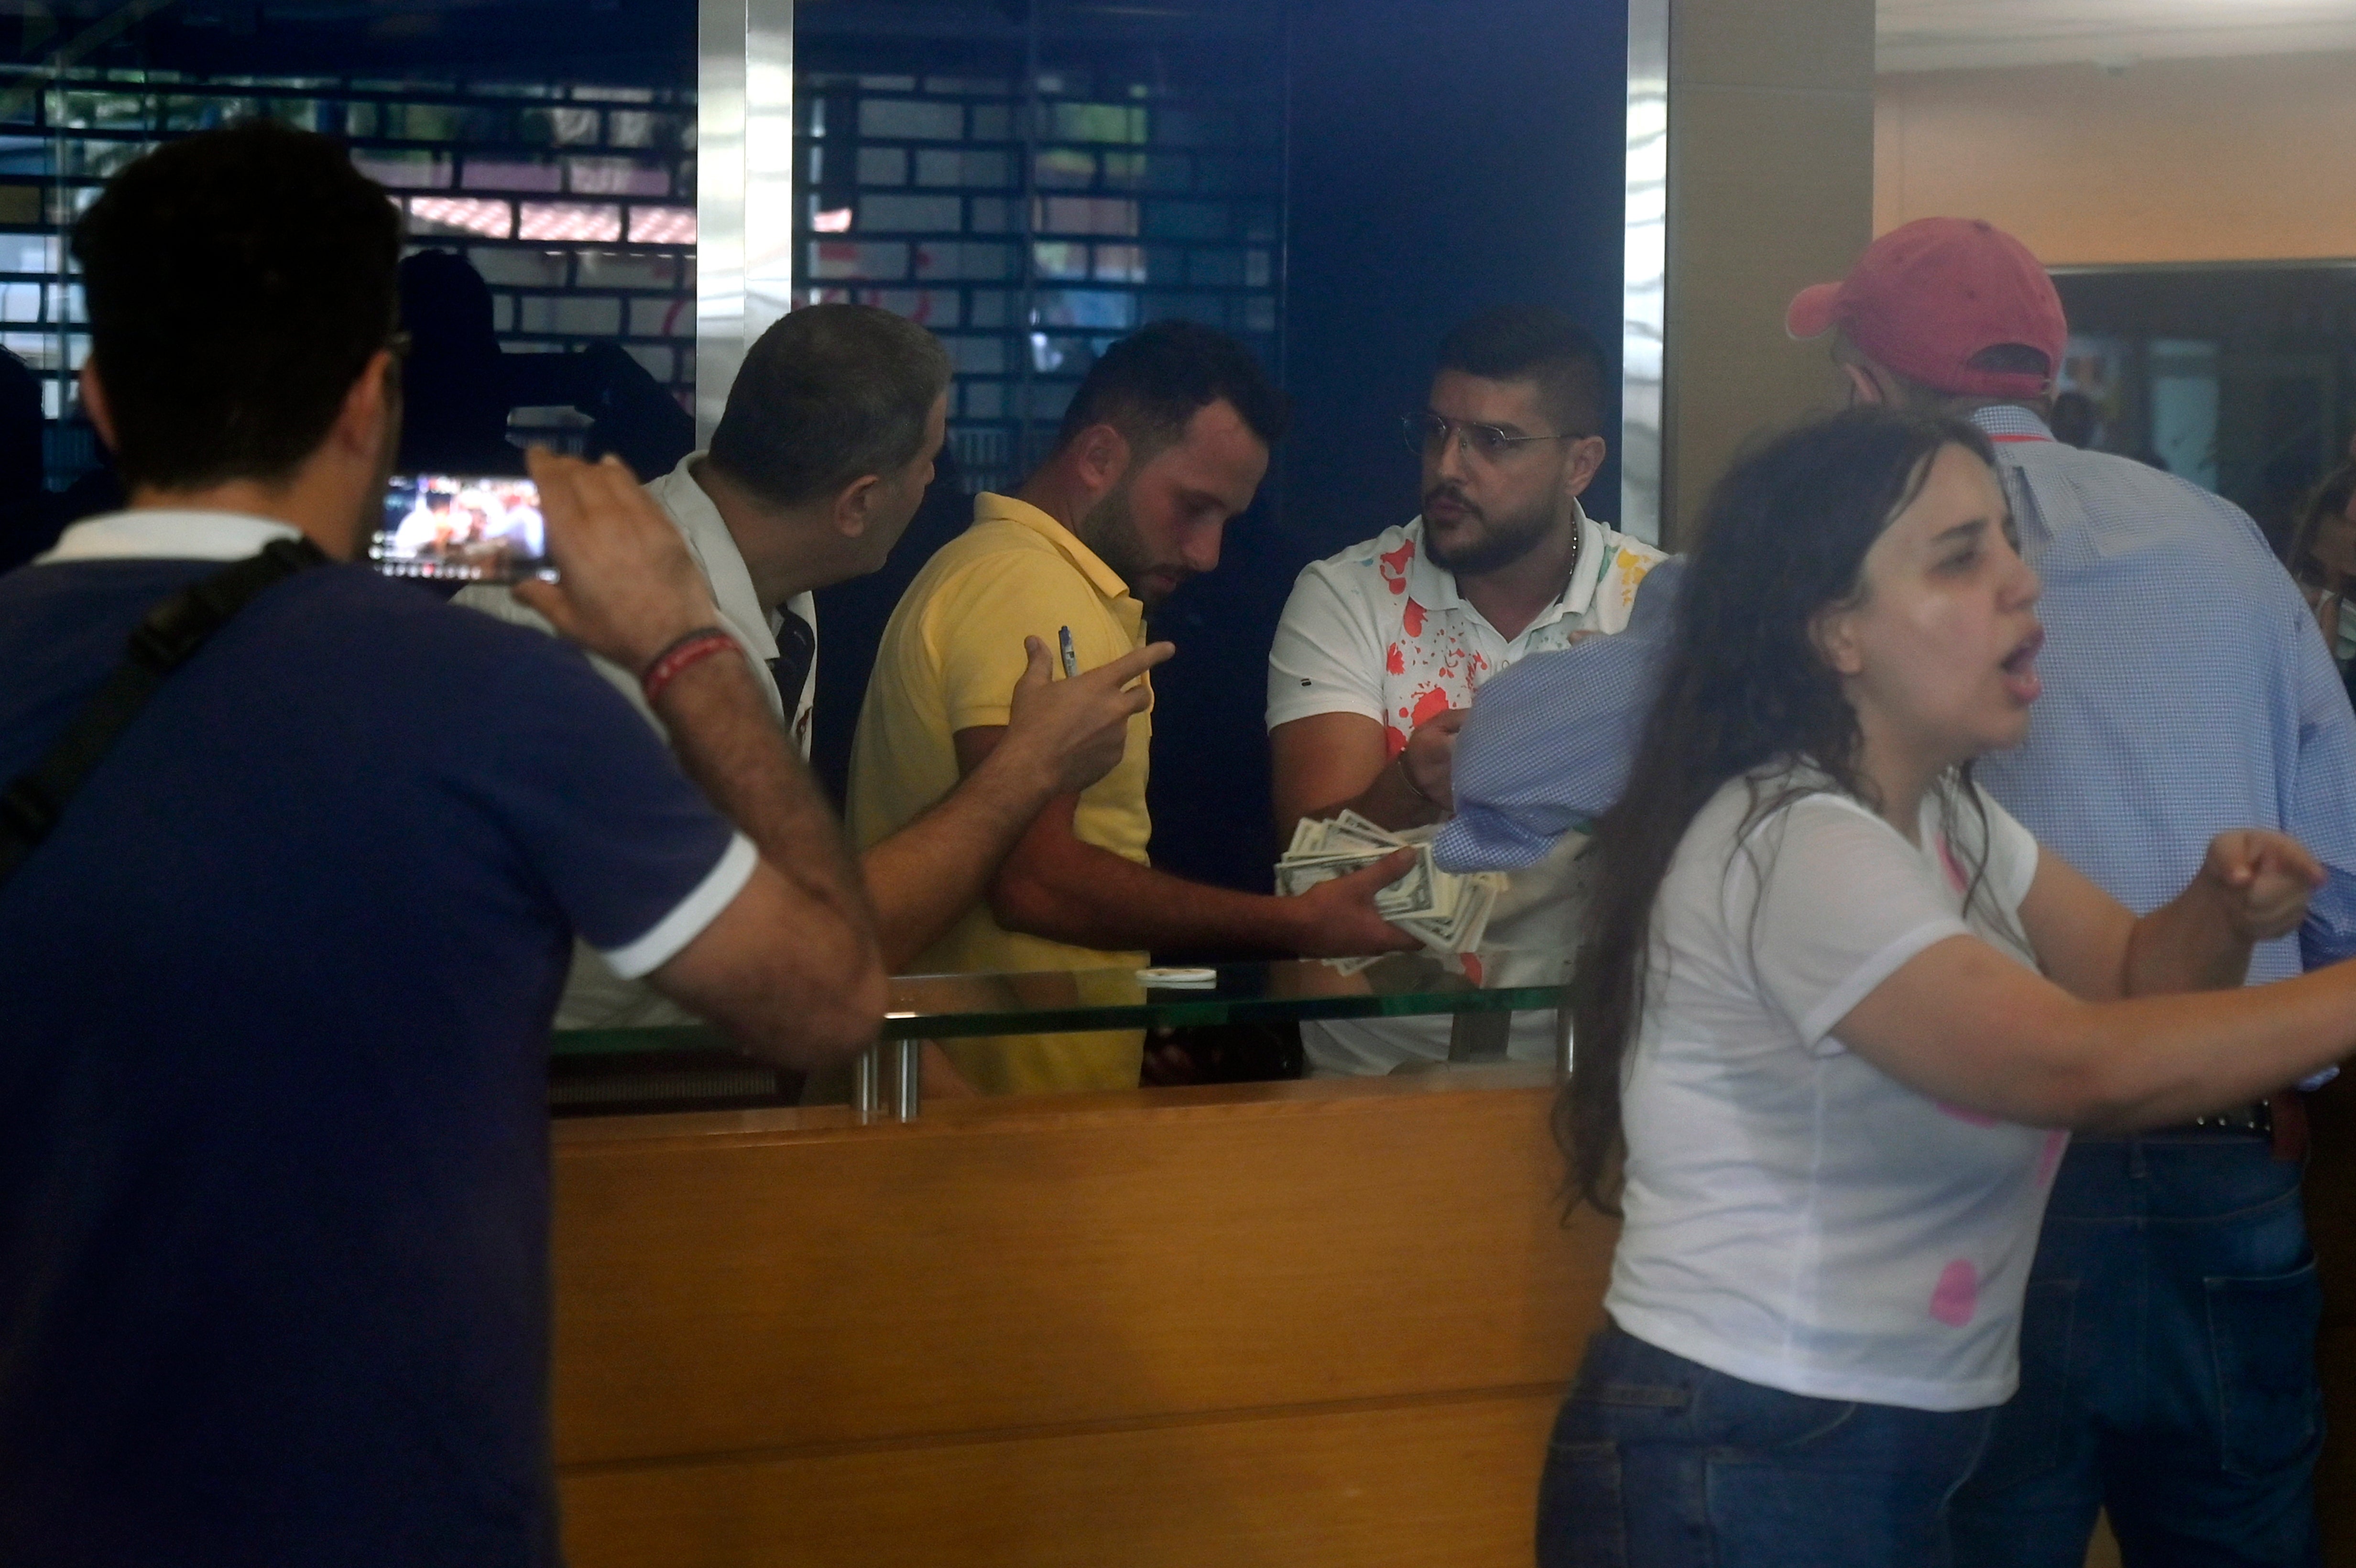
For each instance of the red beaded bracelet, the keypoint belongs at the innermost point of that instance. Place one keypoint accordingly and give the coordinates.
(692, 648)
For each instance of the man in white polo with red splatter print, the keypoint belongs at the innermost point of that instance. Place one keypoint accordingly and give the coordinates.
(1382, 646)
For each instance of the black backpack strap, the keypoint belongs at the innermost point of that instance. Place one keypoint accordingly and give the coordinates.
(167, 638)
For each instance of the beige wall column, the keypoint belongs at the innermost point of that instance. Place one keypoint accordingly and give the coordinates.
(1770, 188)
(2166, 162)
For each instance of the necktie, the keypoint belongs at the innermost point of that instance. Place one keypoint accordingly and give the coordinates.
(797, 646)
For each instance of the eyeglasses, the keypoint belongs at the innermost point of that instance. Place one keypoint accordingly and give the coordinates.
(1427, 435)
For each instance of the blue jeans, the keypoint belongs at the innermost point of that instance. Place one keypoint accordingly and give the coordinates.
(1658, 1462)
(2167, 1368)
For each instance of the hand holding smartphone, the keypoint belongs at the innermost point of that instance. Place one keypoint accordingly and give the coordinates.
(625, 587)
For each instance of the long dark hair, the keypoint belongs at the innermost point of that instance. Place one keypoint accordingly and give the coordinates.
(1783, 537)
(2328, 499)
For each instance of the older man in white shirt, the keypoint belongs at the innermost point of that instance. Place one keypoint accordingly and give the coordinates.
(821, 455)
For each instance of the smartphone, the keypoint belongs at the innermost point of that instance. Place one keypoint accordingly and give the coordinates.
(462, 527)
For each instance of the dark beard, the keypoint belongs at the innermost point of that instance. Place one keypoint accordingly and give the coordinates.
(1111, 533)
(1502, 549)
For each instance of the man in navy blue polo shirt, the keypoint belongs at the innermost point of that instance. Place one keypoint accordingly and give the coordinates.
(272, 1154)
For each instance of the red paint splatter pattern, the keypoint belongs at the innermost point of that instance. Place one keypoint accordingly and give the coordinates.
(1434, 659)
(1956, 1299)
(1953, 867)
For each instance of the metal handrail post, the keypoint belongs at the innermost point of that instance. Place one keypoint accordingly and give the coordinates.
(908, 1090)
(867, 1083)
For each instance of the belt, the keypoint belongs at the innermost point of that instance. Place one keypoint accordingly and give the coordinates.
(2258, 1118)
(2282, 1120)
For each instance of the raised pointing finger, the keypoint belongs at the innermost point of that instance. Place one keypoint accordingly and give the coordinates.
(1131, 665)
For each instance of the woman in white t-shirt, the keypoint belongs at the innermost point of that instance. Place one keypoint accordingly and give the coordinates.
(1833, 1012)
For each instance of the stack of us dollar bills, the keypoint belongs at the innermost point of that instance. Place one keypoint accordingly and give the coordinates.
(1445, 911)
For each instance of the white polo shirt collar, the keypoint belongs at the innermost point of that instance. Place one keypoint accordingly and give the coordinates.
(1434, 587)
(714, 548)
(162, 534)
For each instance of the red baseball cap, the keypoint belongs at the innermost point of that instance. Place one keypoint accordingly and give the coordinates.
(1925, 298)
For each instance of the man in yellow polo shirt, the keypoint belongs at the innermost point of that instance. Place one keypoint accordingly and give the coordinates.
(1165, 441)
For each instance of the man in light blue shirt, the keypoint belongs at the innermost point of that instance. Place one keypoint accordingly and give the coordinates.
(2167, 1352)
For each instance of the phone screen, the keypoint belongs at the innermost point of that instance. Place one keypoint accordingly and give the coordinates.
(464, 527)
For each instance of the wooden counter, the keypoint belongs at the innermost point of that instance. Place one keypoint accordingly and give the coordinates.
(1298, 1323)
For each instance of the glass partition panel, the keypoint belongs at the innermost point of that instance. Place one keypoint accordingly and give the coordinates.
(1049, 1001)
(558, 171)
(1034, 184)
(1335, 186)
(1009, 1014)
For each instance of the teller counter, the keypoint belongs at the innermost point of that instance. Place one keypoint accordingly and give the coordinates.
(1300, 1323)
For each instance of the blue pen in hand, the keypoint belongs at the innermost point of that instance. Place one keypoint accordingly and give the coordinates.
(1071, 659)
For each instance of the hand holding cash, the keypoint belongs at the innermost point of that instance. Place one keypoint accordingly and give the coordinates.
(1335, 916)
(1444, 911)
